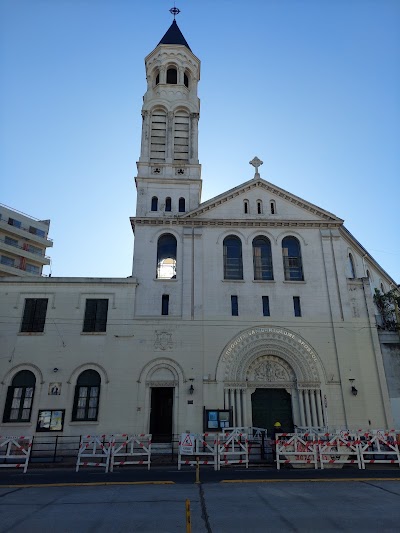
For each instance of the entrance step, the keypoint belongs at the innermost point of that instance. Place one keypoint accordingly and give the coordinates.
(161, 448)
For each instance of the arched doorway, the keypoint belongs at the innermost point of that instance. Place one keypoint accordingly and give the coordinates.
(269, 406)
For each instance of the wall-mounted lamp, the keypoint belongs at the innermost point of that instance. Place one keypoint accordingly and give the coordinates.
(191, 388)
(354, 391)
(55, 369)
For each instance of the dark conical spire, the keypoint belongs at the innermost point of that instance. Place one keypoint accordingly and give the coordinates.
(174, 36)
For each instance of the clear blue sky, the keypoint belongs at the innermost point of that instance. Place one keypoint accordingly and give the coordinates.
(311, 87)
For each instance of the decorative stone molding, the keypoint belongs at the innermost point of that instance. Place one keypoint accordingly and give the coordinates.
(163, 341)
(161, 384)
(163, 363)
(277, 354)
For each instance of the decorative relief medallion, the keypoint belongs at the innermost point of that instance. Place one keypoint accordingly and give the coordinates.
(180, 171)
(155, 170)
(270, 371)
(163, 341)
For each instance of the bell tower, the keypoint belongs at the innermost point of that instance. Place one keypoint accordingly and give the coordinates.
(168, 178)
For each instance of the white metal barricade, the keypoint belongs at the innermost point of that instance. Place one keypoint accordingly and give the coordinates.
(296, 449)
(94, 447)
(130, 450)
(382, 445)
(15, 452)
(204, 446)
(233, 449)
(339, 449)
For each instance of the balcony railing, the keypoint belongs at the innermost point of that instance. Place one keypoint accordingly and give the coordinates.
(5, 222)
(293, 268)
(38, 252)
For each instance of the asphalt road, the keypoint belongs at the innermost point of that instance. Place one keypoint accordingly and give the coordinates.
(270, 506)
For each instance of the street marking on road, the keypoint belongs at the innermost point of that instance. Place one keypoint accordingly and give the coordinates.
(89, 484)
(323, 480)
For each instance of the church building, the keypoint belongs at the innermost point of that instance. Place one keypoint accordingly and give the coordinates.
(249, 308)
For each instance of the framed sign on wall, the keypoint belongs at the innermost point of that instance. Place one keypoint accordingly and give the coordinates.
(50, 420)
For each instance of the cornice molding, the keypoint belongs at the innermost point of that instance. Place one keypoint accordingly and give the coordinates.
(253, 223)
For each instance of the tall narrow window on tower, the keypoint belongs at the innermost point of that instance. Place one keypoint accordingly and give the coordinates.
(181, 136)
(182, 205)
(158, 135)
(186, 80)
(166, 257)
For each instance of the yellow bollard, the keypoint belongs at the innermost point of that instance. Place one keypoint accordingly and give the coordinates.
(197, 470)
(188, 518)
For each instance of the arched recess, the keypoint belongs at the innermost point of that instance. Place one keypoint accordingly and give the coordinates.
(162, 375)
(272, 358)
(89, 366)
(23, 366)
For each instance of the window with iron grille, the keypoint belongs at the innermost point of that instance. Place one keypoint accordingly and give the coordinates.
(34, 316)
(19, 399)
(262, 259)
(292, 262)
(87, 394)
(233, 265)
(95, 315)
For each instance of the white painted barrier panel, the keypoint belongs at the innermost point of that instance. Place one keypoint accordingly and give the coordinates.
(379, 446)
(131, 450)
(339, 449)
(94, 447)
(233, 449)
(15, 451)
(203, 445)
(296, 449)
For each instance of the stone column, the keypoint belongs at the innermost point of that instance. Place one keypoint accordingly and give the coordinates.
(226, 399)
(301, 404)
(163, 74)
(313, 408)
(145, 151)
(307, 403)
(194, 135)
(181, 71)
(318, 400)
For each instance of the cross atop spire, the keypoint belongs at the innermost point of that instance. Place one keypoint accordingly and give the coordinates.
(174, 11)
(256, 163)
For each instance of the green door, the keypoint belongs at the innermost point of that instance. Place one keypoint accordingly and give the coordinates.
(270, 406)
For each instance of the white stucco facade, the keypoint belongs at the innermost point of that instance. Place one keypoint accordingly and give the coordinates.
(205, 330)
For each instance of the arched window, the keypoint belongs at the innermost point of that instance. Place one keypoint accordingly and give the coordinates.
(262, 258)
(382, 289)
(158, 135)
(166, 257)
(158, 78)
(292, 263)
(233, 265)
(182, 205)
(246, 207)
(272, 206)
(172, 76)
(19, 399)
(154, 203)
(186, 80)
(168, 204)
(259, 207)
(352, 267)
(87, 394)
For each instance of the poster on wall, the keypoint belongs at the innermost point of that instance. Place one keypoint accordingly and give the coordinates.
(217, 419)
(50, 420)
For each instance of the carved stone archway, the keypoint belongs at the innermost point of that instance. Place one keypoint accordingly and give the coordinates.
(272, 357)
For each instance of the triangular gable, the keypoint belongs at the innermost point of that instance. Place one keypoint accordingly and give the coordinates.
(301, 207)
